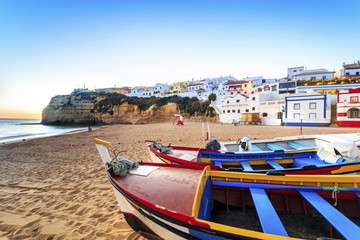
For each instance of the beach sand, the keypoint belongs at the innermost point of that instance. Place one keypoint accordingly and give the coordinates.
(50, 190)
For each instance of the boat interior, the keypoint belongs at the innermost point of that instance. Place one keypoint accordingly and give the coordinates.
(269, 145)
(270, 161)
(260, 204)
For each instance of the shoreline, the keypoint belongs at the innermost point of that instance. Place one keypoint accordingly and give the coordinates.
(28, 138)
(56, 186)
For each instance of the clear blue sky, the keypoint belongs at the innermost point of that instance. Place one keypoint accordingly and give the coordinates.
(51, 47)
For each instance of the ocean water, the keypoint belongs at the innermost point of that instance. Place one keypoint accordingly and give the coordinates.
(18, 129)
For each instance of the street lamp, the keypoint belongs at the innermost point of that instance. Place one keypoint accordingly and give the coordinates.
(301, 119)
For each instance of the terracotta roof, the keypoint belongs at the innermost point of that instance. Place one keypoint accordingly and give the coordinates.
(197, 84)
(352, 66)
(313, 73)
(236, 82)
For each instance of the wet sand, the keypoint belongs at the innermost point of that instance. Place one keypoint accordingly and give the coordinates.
(50, 190)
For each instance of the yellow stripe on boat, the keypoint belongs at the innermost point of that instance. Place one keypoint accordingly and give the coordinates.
(199, 191)
(234, 162)
(101, 142)
(244, 232)
(348, 168)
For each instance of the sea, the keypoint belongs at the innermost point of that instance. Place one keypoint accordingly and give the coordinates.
(22, 129)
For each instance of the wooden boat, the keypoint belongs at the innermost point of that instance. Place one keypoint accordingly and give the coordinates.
(302, 161)
(172, 201)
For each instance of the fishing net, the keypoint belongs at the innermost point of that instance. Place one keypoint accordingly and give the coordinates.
(121, 166)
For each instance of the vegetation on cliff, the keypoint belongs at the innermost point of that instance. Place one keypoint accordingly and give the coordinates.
(191, 106)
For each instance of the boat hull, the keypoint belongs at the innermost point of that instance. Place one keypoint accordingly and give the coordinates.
(155, 224)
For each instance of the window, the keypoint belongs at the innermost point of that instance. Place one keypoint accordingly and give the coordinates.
(357, 73)
(354, 99)
(291, 84)
(227, 102)
(238, 110)
(294, 70)
(263, 81)
(297, 106)
(312, 105)
(266, 88)
(247, 110)
(233, 110)
(312, 115)
(259, 89)
(253, 98)
(223, 111)
(323, 77)
(237, 100)
(296, 115)
(312, 78)
(253, 108)
(347, 73)
(354, 113)
(274, 88)
(228, 111)
(283, 85)
(264, 114)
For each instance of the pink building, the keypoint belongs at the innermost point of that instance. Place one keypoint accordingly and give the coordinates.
(348, 106)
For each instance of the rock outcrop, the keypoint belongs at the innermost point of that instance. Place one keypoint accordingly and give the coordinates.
(83, 108)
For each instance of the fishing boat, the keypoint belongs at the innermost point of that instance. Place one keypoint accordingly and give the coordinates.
(172, 201)
(308, 155)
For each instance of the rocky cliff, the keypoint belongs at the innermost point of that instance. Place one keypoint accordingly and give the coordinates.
(93, 108)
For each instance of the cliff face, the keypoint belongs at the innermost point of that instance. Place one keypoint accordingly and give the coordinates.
(82, 109)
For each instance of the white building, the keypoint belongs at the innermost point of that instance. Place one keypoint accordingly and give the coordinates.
(315, 74)
(234, 87)
(350, 70)
(312, 109)
(194, 87)
(138, 90)
(213, 84)
(270, 107)
(294, 71)
(160, 89)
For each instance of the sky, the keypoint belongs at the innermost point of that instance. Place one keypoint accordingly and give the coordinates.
(48, 48)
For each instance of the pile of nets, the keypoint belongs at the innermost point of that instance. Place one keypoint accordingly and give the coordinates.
(162, 149)
(121, 166)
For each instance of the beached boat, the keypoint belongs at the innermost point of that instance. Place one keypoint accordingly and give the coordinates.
(304, 160)
(331, 144)
(172, 201)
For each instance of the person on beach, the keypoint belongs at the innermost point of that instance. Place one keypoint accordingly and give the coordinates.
(180, 121)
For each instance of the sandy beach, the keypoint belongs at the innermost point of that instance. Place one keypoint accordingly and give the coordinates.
(56, 187)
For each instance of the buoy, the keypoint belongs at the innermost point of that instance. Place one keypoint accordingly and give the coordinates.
(83, 144)
(229, 139)
(69, 145)
(118, 142)
(138, 141)
(73, 145)
(180, 140)
(254, 138)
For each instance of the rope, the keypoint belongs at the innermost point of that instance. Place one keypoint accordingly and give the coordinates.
(121, 165)
(334, 195)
